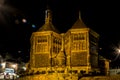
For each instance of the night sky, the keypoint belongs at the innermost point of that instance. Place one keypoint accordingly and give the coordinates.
(100, 15)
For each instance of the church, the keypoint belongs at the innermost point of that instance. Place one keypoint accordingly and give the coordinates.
(73, 51)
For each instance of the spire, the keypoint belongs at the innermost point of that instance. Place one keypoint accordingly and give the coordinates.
(48, 26)
(79, 23)
(80, 15)
(48, 16)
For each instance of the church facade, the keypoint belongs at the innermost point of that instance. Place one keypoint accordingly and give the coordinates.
(74, 51)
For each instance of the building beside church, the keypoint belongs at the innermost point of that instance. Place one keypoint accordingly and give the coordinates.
(74, 51)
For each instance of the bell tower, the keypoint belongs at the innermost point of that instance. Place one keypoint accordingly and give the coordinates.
(78, 42)
(46, 43)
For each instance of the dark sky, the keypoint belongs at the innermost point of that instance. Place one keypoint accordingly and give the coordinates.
(100, 15)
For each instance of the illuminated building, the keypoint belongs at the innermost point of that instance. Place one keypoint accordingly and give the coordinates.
(73, 51)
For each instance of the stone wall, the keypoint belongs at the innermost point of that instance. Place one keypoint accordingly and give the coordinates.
(56, 76)
(115, 77)
(53, 76)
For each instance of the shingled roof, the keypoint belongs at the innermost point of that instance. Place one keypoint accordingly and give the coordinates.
(48, 27)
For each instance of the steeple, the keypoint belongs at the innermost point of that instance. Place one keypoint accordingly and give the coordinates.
(48, 16)
(48, 26)
(80, 15)
(79, 23)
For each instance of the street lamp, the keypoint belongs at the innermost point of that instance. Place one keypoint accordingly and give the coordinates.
(117, 52)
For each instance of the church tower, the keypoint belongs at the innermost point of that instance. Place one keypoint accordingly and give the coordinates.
(79, 40)
(45, 45)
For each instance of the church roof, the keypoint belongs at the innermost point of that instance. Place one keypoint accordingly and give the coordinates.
(79, 24)
(48, 27)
